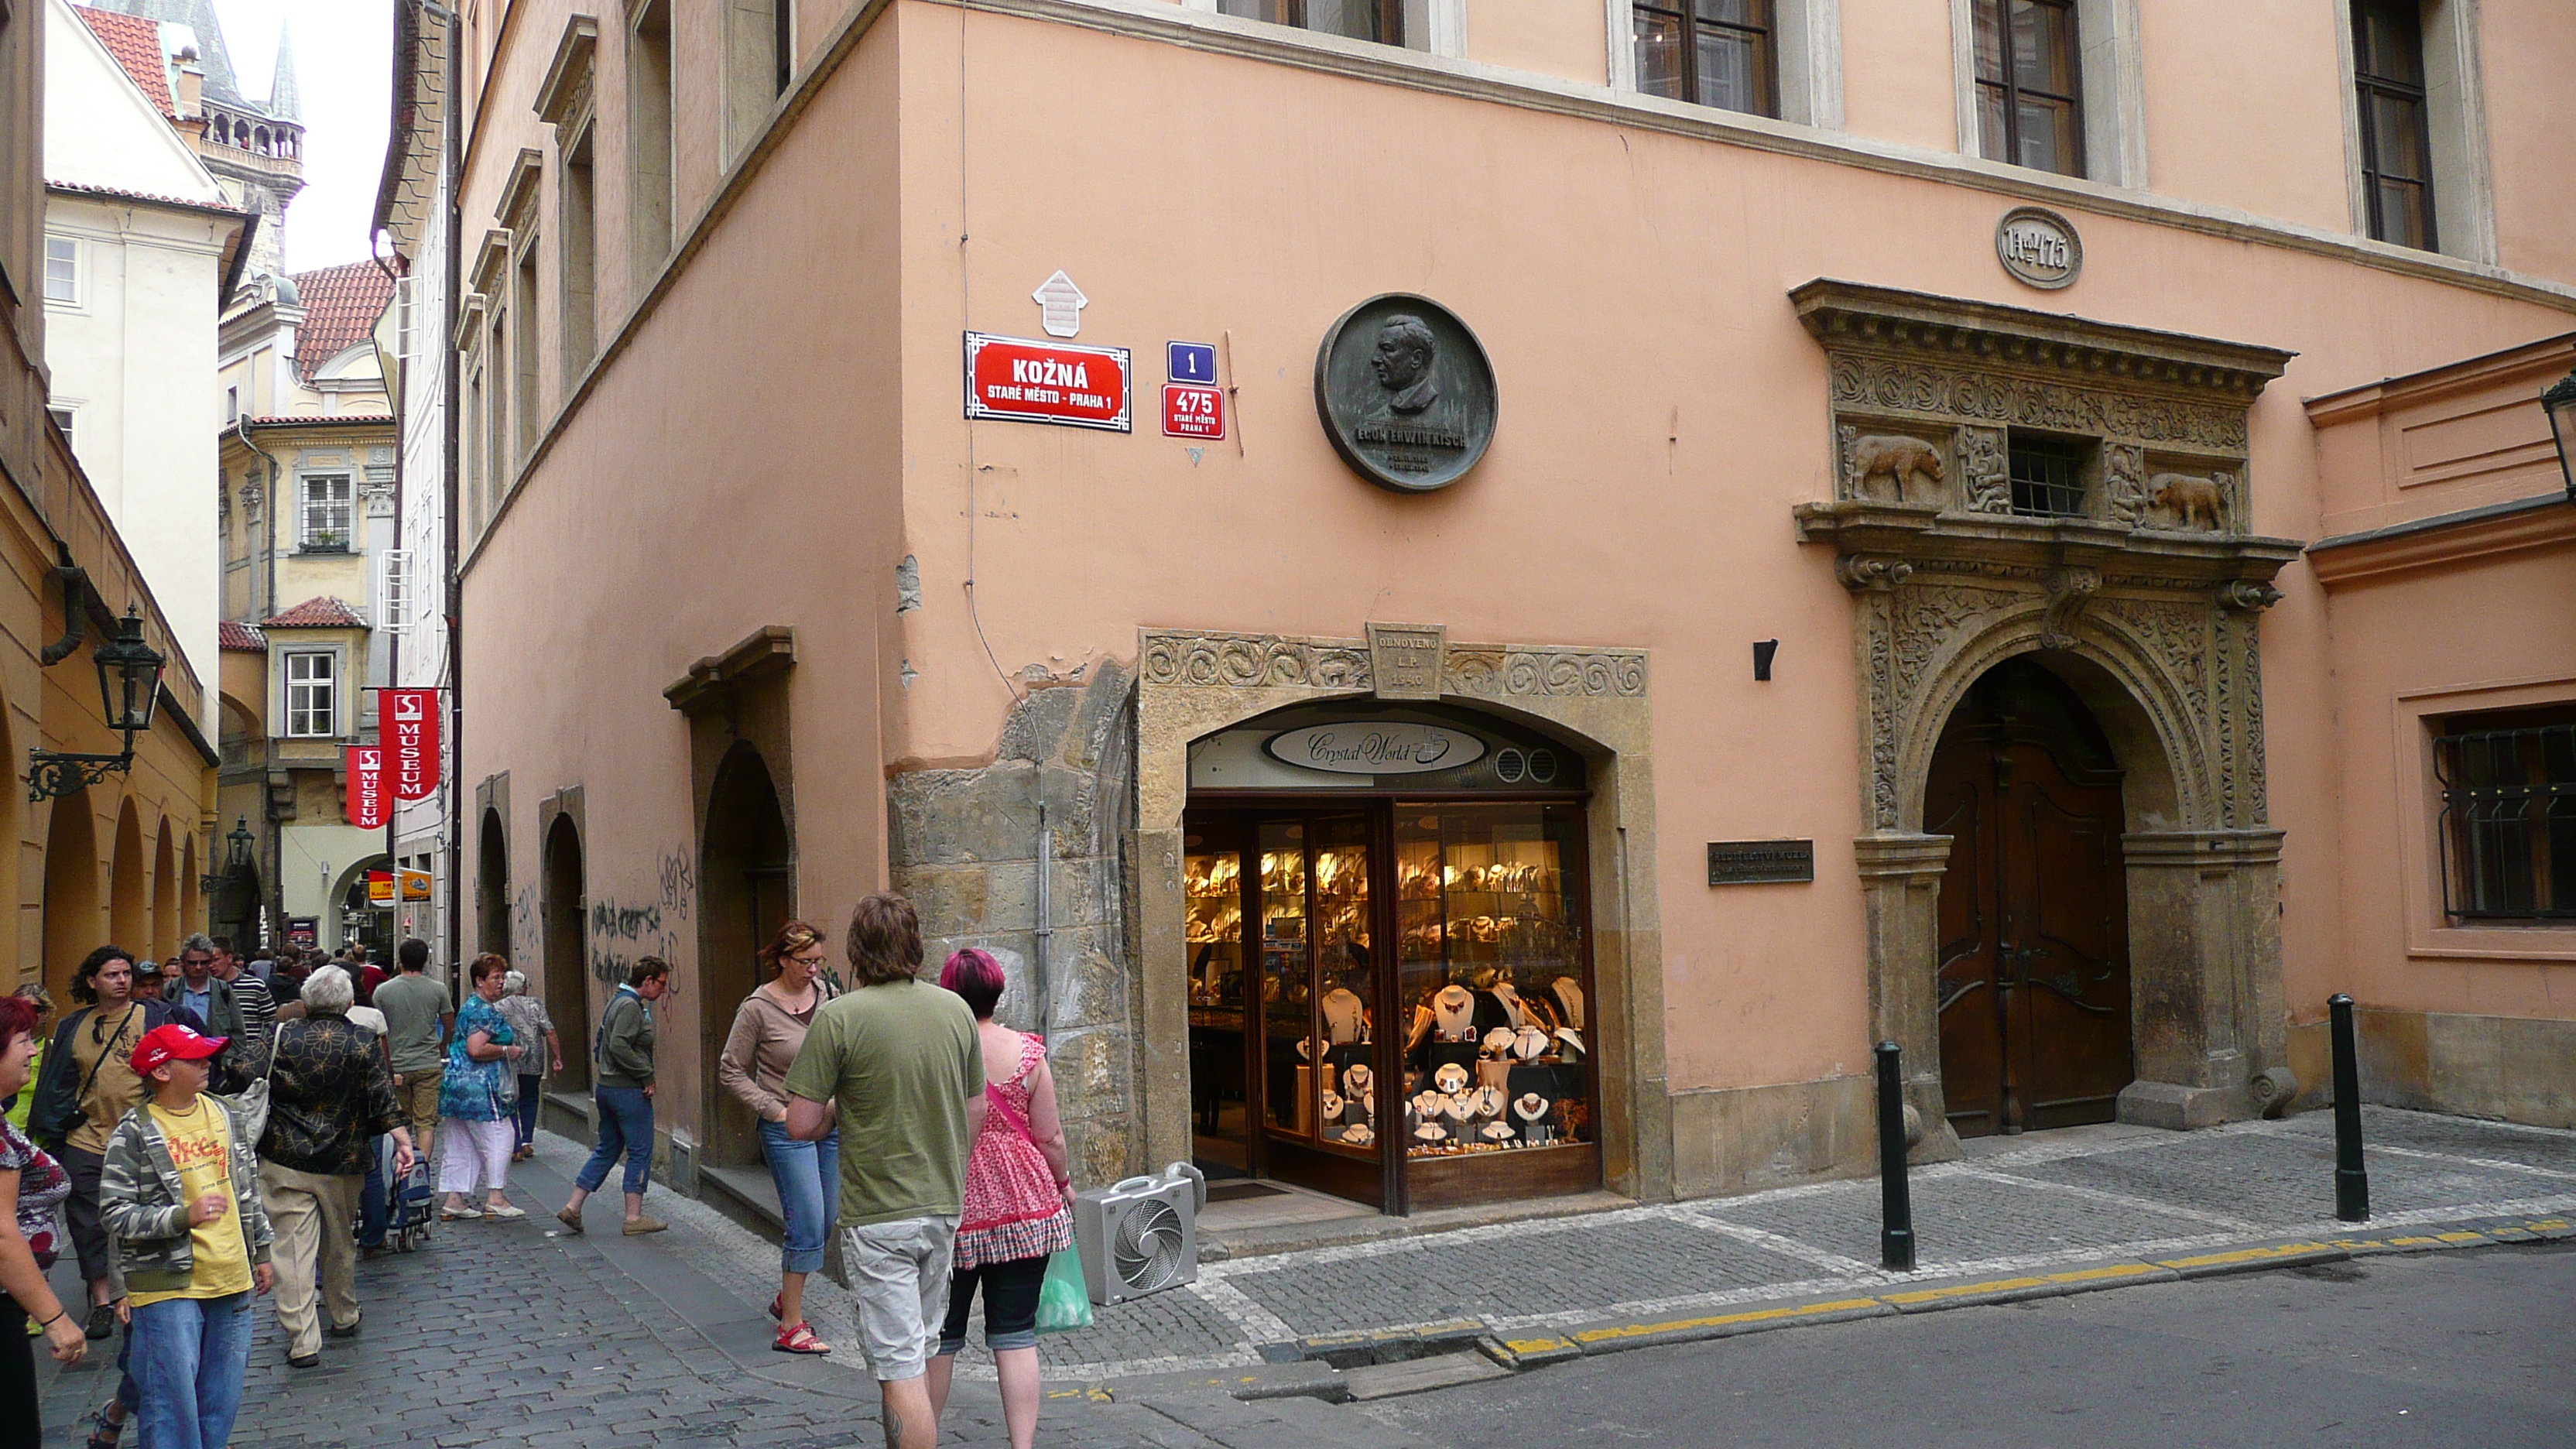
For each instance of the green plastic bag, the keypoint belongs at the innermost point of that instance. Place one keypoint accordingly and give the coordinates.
(1064, 1303)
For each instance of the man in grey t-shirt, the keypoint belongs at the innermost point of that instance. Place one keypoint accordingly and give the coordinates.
(418, 1017)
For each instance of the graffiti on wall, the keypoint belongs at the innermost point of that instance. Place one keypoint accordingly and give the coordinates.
(622, 933)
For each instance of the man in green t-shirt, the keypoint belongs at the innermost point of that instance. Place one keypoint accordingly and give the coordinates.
(897, 1064)
(418, 1016)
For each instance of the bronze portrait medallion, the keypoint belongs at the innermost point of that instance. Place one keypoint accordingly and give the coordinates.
(1405, 393)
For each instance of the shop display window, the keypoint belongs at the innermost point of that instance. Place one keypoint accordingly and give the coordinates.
(1493, 977)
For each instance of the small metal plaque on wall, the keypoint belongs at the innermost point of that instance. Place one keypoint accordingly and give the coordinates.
(1761, 862)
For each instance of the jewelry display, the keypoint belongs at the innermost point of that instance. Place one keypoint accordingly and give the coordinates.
(1356, 1083)
(1453, 1013)
(1569, 1000)
(1530, 1107)
(1450, 1079)
(1431, 1132)
(1345, 1018)
(1499, 1041)
(1359, 1136)
(1498, 1131)
(1531, 1044)
(1510, 996)
(1332, 1106)
(1570, 1041)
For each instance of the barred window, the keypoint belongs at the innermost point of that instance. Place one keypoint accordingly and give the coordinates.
(2047, 477)
(2508, 815)
(327, 512)
(310, 696)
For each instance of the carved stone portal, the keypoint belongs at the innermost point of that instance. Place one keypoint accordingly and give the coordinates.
(2147, 603)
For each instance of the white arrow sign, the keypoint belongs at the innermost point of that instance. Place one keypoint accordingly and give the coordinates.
(1060, 305)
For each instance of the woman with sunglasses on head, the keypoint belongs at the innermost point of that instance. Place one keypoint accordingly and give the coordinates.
(768, 1029)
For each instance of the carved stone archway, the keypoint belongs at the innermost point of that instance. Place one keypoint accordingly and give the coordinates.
(2143, 584)
(1191, 684)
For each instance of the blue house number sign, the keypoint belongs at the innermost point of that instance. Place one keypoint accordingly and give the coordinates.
(1190, 361)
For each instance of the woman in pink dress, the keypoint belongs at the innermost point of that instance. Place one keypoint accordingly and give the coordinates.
(1019, 1203)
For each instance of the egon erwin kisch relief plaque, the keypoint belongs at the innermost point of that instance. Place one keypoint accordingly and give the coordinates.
(1405, 392)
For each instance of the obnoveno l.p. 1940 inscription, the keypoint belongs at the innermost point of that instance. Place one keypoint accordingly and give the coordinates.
(1405, 392)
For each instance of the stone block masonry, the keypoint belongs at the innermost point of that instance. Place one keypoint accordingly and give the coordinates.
(965, 845)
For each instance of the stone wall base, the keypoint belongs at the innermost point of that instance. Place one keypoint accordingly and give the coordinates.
(2511, 1069)
(1746, 1139)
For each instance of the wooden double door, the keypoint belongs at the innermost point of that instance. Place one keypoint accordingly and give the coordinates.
(2034, 957)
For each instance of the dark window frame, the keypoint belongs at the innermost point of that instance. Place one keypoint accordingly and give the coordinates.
(2507, 827)
(2371, 89)
(1386, 17)
(2043, 491)
(2009, 82)
(1685, 13)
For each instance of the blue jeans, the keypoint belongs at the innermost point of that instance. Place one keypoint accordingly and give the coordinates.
(625, 1125)
(808, 1175)
(371, 1198)
(528, 1104)
(189, 1355)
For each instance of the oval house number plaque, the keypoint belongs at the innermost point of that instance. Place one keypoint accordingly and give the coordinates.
(2039, 247)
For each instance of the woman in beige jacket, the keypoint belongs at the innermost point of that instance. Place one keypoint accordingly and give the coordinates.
(767, 1030)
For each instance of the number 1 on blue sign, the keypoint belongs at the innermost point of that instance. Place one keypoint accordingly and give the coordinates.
(1190, 361)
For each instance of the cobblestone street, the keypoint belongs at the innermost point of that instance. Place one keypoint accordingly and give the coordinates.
(518, 1335)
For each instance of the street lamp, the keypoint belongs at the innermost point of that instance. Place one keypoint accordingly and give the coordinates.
(129, 686)
(2560, 403)
(236, 856)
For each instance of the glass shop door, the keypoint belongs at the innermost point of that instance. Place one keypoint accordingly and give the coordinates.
(1283, 1064)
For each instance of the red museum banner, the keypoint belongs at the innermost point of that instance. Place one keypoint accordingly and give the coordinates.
(407, 728)
(369, 804)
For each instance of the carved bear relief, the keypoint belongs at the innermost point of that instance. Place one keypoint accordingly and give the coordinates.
(2192, 503)
(1892, 467)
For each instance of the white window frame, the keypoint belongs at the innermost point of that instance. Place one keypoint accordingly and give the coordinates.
(70, 257)
(2112, 72)
(1806, 37)
(300, 697)
(305, 532)
(2455, 120)
(393, 590)
(64, 417)
(406, 325)
(1442, 25)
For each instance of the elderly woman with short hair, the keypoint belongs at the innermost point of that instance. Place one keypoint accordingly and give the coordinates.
(330, 1094)
(478, 1099)
(528, 1019)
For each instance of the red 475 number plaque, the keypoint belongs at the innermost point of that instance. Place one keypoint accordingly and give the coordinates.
(1192, 411)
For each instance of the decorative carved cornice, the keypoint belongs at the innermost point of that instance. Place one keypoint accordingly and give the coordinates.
(1853, 316)
(712, 681)
(1882, 545)
(565, 92)
(1184, 659)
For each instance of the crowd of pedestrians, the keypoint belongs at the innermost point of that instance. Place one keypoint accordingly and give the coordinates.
(229, 1128)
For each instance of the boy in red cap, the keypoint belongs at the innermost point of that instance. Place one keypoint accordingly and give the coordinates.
(180, 1190)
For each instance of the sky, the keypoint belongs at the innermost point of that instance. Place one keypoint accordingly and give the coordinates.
(344, 68)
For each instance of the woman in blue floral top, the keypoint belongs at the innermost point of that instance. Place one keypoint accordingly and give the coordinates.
(477, 1101)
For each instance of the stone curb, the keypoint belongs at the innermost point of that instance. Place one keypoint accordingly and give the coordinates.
(1614, 1336)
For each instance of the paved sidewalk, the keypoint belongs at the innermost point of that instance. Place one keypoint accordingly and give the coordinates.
(2016, 1205)
(516, 1334)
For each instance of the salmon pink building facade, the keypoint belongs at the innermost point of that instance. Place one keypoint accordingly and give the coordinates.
(1478, 597)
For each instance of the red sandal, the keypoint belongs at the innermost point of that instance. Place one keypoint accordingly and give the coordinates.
(799, 1338)
(776, 1304)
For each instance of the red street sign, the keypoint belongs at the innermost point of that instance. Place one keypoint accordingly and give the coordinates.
(1191, 411)
(407, 727)
(368, 802)
(1011, 379)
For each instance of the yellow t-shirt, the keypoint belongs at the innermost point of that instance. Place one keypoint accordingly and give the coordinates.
(201, 1148)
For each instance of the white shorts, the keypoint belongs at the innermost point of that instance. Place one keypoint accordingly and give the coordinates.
(899, 1276)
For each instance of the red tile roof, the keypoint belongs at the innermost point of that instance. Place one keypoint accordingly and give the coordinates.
(341, 305)
(89, 188)
(136, 44)
(241, 638)
(322, 613)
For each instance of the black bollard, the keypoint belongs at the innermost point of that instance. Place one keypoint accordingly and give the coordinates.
(2352, 1182)
(1896, 1205)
